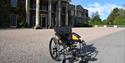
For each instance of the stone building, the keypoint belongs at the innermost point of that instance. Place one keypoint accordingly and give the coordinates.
(47, 13)
(78, 15)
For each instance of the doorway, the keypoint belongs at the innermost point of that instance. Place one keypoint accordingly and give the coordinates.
(43, 22)
(13, 20)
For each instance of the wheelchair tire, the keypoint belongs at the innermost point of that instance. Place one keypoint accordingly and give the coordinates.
(54, 49)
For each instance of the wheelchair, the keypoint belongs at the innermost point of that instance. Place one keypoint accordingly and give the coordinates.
(68, 47)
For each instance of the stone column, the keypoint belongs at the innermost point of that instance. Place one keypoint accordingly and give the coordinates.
(59, 13)
(75, 11)
(74, 18)
(49, 14)
(28, 12)
(56, 18)
(66, 15)
(37, 24)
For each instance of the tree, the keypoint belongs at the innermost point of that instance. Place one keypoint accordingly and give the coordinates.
(117, 17)
(95, 20)
(112, 16)
(120, 19)
(105, 22)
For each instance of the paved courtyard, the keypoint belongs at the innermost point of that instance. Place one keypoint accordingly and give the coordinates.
(31, 46)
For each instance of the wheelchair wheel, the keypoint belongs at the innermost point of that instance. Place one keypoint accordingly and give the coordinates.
(93, 54)
(54, 49)
(89, 51)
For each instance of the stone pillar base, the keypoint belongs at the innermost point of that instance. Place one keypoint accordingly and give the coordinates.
(37, 27)
(50, 27)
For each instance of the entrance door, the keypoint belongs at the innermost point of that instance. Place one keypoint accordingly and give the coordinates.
(43, 21)
(13, 20)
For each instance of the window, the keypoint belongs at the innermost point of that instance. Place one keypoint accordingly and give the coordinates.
(33, 5)
(63, 10)
(33, 20)
(72, 13)
(13, 20)
(13, 3)
(79, 14)
(86, 14)
(44, 7)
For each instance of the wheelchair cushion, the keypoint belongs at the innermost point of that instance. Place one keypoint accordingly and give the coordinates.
(75, 37)
(63, 32)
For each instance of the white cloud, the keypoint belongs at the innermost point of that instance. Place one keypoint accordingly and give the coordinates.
(104, 10)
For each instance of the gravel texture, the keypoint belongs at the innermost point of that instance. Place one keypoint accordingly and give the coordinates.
(31, 46)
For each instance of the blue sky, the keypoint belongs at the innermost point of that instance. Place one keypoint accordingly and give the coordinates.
(104, 7)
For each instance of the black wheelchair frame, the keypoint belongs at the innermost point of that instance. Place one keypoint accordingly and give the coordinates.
(59, 50)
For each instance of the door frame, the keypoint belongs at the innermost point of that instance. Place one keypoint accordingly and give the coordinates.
(41, 21)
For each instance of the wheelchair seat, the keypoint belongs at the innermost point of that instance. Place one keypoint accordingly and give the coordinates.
(63, 33)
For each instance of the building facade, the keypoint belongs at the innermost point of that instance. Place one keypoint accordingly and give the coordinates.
(46, 13)
(78, 16)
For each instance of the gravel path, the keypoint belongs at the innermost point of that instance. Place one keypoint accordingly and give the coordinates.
(31, 46)
(111, 48)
